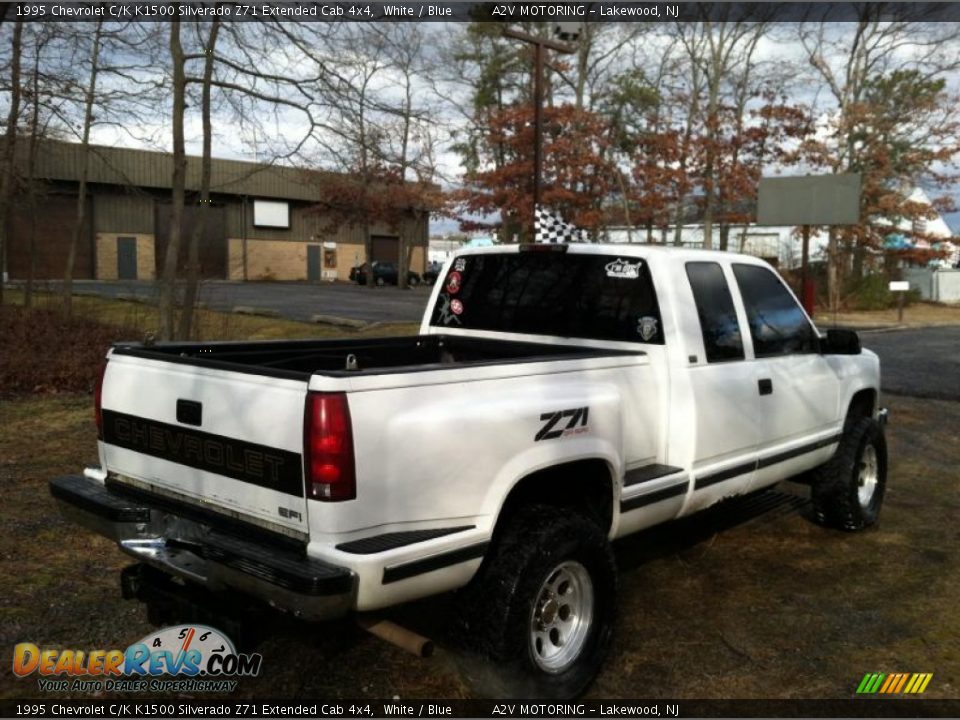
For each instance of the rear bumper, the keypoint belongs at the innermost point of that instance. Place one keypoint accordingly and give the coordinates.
(280, 575)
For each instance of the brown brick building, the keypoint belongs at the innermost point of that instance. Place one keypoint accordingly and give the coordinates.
(263, 224)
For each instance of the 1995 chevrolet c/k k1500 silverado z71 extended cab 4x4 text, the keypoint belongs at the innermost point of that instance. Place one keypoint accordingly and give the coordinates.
(556, 398)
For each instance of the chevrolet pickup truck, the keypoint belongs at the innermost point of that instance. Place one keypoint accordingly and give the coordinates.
(556, 398)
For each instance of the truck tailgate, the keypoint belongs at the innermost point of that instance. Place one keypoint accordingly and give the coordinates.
(228, 441)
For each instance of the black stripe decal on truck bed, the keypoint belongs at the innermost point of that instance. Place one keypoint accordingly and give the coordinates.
(392, 541)
(648, 473)
(434, 562)
(653, 497)
(259, 465)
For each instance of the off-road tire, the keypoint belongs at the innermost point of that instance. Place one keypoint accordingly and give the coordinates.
(498, 611)
(839, 483)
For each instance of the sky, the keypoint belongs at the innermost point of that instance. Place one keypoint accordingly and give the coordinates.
(231, 141)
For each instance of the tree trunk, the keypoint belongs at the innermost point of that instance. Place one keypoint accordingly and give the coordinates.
(200, 227)
(626, 206)
(31, 173)
(724, 235)
(169, 277)
(9, 149)
(84, 170)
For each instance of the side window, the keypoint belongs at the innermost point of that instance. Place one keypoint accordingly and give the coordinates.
(777, 323)
(718, 318)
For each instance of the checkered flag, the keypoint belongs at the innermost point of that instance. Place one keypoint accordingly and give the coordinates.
(551, 228)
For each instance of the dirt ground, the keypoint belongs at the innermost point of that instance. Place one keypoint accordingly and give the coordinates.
(747, 601)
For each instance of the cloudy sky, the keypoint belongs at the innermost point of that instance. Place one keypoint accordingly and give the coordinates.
(443, 97)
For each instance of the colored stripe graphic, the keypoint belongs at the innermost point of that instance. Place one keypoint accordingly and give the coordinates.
(894, 683)
(870, 683)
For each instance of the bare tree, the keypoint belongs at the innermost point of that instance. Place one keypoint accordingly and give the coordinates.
(200, 226)
(81, 212)
(8, 168)
(844, 63)
(167, 303)
(41, 38)
(719, 50)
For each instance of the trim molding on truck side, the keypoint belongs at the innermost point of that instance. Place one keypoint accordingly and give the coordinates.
(719, 477)
(797, 452)
(653, 497)
(395, 573)
(391, 541)
(763, 462)
(648, 473)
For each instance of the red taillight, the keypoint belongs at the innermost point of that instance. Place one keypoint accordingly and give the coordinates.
(328, 448)
(98, 401)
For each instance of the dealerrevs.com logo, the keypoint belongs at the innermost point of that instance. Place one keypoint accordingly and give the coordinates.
(180, 658)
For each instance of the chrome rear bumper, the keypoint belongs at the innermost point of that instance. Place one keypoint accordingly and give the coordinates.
(278, 573)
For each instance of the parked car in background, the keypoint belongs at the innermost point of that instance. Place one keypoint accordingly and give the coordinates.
(432, 272)
(383, 274)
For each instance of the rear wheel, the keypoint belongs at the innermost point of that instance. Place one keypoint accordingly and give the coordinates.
(543, 606)
(848, 490)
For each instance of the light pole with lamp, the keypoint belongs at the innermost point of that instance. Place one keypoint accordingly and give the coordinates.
(564, 31)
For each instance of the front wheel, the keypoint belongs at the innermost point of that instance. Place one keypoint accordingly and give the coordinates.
(543, 607)
(848, 490)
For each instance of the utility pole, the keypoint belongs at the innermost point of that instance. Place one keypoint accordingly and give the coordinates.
(539, 43)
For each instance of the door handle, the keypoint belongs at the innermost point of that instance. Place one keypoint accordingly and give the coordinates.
(766, 386)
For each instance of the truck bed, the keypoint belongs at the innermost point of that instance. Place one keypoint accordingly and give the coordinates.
(301, 358)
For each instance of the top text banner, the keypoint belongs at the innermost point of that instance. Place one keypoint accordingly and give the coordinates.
(486, 11)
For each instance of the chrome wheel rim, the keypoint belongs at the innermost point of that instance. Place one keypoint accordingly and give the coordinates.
(867, 476)
(562, 617)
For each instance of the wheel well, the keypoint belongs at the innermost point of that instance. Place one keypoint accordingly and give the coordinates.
(862, 405)
(583, 485)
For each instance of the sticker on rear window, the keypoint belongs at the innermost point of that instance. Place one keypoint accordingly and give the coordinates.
(447, 317)
(460, 264)
(453, 283)
(647, 328)
(456, 306)
(620, 268)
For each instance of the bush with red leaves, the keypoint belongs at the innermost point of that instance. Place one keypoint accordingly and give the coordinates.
(41, 351)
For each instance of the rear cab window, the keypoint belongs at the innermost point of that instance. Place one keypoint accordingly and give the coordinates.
(589, 296)
(722, 339)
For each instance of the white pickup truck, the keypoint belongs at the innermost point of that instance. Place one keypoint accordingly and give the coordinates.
(556, 398)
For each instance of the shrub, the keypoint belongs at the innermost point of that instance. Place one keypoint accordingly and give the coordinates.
(44, 352)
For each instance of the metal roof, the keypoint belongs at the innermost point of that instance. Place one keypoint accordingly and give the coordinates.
(150, 169)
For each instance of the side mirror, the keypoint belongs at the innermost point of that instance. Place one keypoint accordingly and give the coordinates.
(840, 342)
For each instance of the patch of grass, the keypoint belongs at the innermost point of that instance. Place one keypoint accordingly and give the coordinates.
(45, 352)
(916, 315)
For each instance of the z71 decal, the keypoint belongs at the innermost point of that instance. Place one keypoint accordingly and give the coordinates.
(554, 426)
